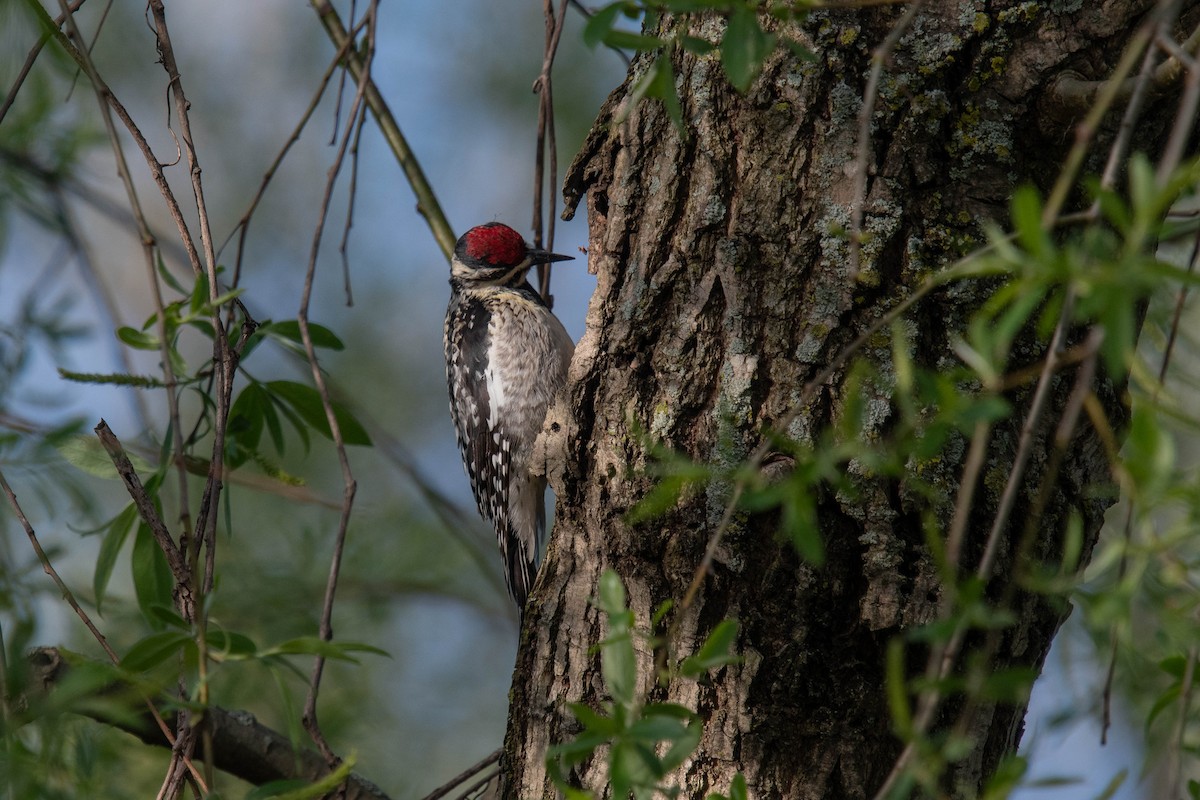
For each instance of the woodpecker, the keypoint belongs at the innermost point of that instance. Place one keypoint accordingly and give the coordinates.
(506, 357)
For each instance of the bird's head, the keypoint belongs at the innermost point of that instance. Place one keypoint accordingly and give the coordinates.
(493, 254)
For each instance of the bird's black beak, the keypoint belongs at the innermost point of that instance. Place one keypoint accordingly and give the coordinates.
(546, 257)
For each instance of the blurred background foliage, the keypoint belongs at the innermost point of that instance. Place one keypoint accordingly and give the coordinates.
(459, 81)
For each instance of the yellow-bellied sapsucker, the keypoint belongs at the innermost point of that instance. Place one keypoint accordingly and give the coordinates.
(506, 357)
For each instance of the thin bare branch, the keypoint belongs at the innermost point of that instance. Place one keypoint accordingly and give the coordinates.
(242, 227)
(546, 140)
(1085, 131)
(107, 101)
(30, 59)
(427, 203)
(1185, 117)
(976, 456)
(48, 568)
(586, 14)
(363, 78)
(1187, 685)
(344, 246)
(1075, 94)
(458, 779)
(176, 559)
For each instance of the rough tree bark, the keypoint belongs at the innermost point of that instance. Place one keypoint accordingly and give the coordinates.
(724, 286)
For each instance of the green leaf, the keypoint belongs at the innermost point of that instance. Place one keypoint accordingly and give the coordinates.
(1166, 699)
(323, 787)
(627, 768)
(306, 401)
(139, 340)
(166, 275)
(86, 453)
(247, 417)
(1009, 685)
(692, 6)
(897, 691)
(271, 417)
(110, 547)
(267, 791)
(1006, 778)
(672, 710)
(612, 593)
(696, 45)
(1113, 208)
(1113, 785)
(222, 299)
(715, 652)
(293, 419)
(592, 721)
(312, 645)
(678, 473)
(1027, 222)
(662, 86)
(153, 584)
(1143, 188)
(601, 22)
(229, 644)
(1174, 666)
(289, 330)
(682, 747)
(744, 47)
(169, 618)
(800, 524)
(199, 295)
(657, 729)
(738, 789)
(618, 662)
(628, 40)
(154, 650)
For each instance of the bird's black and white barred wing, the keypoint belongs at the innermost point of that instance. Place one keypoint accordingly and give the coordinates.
(488, 442)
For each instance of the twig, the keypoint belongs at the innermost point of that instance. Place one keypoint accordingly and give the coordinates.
(244, 746)
(309, 715)
(1185, 697)
(582, 9)
(145, 506)
(862, 161)
(1076, 94)
(156, 167)
(469, 772)
(976, 456)
(1185, 118)
(34, 52)
(243, 225)
(48, 568)
(489, 776)
(427, 203)
(1086, 130)
(546, 141)
(107, 101)
(69, 597)
(344, 246)
(1137, 97)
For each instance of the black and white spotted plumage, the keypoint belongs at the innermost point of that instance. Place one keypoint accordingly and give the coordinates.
(506, 357)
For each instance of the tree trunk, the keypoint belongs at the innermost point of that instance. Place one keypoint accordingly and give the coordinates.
(724, 286)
